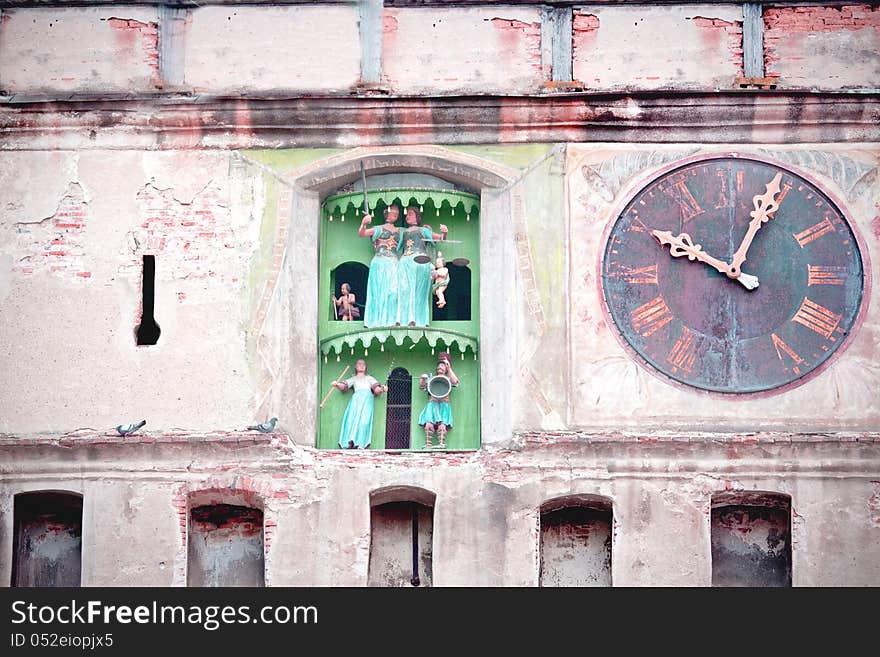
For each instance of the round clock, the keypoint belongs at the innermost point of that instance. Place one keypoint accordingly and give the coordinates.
(732, 275)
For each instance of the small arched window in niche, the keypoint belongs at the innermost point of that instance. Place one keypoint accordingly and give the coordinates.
(355, 274)
(399, 409)
(457, 295)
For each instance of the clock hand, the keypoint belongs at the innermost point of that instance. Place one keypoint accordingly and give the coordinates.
(765, 205)
(681, 245)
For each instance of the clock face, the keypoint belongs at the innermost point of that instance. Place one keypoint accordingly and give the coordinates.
(677, 298)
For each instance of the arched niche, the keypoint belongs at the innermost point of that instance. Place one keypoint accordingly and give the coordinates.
(401, 537)
(47, 539)
(751, 539)
(575, 542)
(289, 340)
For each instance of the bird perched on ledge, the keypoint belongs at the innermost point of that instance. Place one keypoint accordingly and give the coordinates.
(128, 429)
(265, 427)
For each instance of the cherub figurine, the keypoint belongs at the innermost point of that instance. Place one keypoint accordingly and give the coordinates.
(348, 311)
(440, 276)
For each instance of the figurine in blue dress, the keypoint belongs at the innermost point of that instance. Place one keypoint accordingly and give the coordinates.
(437, 415)
(357, 423)
(381, 308)
(413, 277)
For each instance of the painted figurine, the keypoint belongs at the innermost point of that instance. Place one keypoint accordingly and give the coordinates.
(357, 423)
(414, 277)
(440, 276)
(381, 308)
(437, 415)
(347, 310)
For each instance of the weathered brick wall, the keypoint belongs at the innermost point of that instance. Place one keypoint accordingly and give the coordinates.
(492, 50)
(86, 50)
(75, 240)
(137, 491)
(668, 47)
(823, 47)
(320, 49)
(234, 239)
(265, 49)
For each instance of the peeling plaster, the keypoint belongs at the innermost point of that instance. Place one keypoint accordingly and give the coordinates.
(55, 244)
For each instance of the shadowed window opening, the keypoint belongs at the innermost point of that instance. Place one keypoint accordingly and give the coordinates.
(575, 546)
(401, 545)
(47, 540)
(148, 331)
(225, 546)
(457, 294)
(399, 408)
(355, 274)
(751, 540)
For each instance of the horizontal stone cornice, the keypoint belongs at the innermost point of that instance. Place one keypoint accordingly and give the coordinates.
(183, 121)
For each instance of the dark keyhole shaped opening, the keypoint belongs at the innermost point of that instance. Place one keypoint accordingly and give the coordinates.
(148, 331)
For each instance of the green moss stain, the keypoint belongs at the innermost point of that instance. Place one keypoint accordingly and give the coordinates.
(285, 160)
(543, 202)
(261, 264)
(519, 156)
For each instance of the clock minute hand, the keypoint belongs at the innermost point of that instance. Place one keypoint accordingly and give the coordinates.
(683, 245)
(765, 205)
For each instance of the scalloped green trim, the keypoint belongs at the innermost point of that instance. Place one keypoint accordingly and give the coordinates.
(344, 203)
(399, 335)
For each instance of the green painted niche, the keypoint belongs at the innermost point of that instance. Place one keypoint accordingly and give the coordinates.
(345, 257)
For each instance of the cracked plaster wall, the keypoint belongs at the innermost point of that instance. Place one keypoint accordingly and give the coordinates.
(72, 244)
(317, 506)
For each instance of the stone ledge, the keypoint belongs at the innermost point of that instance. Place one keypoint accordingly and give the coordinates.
(520, 441)
(89, 437)
(167, 123)
(531, 438)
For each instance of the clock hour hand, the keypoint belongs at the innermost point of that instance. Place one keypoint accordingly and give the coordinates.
(765, 205)
(683, 245)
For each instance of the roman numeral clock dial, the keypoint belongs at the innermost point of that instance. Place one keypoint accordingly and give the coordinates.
(732, 275)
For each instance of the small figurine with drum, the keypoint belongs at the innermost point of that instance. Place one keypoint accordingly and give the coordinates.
(437, 415)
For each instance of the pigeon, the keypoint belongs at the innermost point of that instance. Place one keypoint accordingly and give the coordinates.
(126, 429)
(265, 427)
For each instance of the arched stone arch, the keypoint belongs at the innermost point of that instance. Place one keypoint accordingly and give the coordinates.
(402, 494)
(585, 500)
(401, 536)
(287, 319)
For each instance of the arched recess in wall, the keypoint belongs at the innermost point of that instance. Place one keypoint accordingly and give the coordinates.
(401, 537)
(47, 539)
(355, 275)
(225, 539)
(751, 539)
(575, 542)
(291, 378)
(407, 322)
